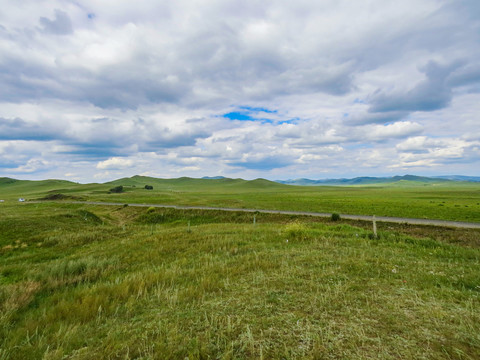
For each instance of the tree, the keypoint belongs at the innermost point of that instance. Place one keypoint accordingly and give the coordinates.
(117, 189)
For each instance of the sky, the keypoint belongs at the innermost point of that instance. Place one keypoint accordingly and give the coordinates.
(92, 91)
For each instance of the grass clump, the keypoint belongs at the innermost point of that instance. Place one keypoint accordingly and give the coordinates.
(297, 231)
(335, 217)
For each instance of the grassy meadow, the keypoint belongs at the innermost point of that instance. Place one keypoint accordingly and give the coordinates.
(445, 200)
(119, 282)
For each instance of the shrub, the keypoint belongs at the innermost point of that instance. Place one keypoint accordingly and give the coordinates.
(55, 196)
(149, 187)
(335, 217)
(117, 189)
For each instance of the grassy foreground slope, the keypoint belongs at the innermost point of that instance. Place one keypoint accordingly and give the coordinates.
(445, 200)
(88, 282)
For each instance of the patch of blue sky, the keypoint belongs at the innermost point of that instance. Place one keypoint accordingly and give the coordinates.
(241, 116)
(258, 109)
(247, 113)
(9, 165)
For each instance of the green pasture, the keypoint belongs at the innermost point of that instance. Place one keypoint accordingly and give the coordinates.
(117, 282)
(445, 200)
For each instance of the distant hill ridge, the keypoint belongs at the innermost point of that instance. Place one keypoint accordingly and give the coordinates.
(141, 181)
(367, 180)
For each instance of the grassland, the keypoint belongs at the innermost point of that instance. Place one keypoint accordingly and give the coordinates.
(82, 281)
(445, 200)
(90, 282)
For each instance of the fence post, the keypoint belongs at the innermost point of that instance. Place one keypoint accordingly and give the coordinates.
(374, 227)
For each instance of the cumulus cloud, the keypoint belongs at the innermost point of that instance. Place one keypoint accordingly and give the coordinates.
(115, 163)
(323, 87)
(260, 53)
(376, 118)
(396, 130)
(18, 129)
(428, 95)
(424, 151)
(31, 166)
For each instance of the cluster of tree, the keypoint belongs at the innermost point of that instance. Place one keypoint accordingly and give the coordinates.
(119, 189)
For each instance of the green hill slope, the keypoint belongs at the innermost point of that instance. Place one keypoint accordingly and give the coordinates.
(12, 188)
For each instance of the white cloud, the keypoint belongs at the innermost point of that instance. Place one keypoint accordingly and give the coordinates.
(406, 164)
(115, 163)
(422, 151)
(399, 129)
(104, 85)
(32, 165)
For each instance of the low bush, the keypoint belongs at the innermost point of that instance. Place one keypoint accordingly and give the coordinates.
(335, 217)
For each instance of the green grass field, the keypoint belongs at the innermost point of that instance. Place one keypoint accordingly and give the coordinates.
(458, 201)
(89, 282)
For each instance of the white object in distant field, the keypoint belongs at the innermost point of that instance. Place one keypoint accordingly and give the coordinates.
(21, 199)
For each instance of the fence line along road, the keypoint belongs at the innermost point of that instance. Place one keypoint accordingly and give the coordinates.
(399, 220)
